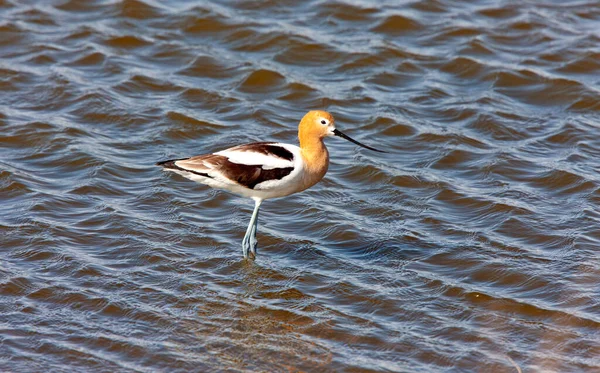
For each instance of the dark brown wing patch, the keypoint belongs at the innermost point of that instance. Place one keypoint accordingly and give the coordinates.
(250, 176)
(246, 175)
(267, 148)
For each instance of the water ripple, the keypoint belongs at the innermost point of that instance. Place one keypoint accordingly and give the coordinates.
(471, 245)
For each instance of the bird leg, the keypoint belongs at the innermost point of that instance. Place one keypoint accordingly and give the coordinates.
(249, 242)
(253, 240)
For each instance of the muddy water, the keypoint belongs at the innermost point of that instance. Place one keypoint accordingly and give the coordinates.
(471, 246)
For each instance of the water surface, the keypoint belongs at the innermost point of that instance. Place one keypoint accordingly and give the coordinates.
(471, 246)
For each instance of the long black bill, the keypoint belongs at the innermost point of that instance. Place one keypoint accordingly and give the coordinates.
(338, 133)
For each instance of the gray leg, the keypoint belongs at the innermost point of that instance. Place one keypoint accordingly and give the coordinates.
(253, 240)
(249, 242)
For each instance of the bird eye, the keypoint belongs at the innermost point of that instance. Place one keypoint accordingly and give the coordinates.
(323, 122)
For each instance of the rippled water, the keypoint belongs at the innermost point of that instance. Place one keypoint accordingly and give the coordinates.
(472, 246)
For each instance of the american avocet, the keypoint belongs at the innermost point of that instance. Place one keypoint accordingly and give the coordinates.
(265, 170)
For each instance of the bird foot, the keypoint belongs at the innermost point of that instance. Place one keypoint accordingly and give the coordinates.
(253, 246)
(249, 248)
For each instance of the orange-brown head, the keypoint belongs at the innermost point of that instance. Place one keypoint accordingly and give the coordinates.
(318, 124)
(314, 126)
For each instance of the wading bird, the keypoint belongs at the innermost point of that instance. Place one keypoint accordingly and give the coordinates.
(264, 170)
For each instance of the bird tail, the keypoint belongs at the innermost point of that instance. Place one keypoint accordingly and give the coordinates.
(170, 163)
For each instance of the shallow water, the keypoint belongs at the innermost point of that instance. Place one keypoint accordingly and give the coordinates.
(471, 246)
